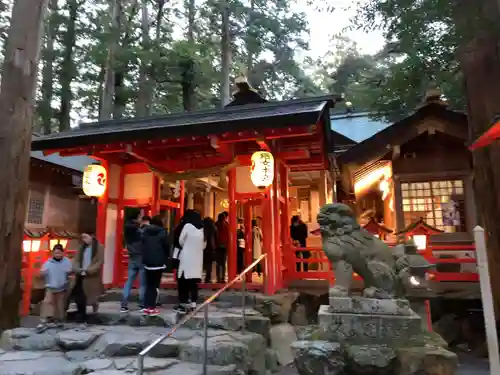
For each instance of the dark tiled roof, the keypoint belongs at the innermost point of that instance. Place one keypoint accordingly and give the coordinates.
(238, 118)
(77, 163)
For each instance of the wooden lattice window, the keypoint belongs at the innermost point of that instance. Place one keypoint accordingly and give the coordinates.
(35, 208)
(439, 203)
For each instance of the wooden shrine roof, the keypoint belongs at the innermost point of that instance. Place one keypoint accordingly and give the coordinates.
(256, 117)
(403, 131)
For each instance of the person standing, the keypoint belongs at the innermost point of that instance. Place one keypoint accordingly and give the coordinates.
(86, 288)
(222, 244)
(209, 252)
(155, 253)
(298, 233)
(241, 244)
(132, 235)
(257, 238)
(190, 256)
(56, 273)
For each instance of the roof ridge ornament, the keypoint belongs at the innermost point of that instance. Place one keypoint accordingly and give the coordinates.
(433, 95)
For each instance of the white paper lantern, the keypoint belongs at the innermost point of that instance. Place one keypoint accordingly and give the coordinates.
(262, 171)
(94, 180)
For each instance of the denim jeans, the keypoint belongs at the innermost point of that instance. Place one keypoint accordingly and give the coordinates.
(134, 269)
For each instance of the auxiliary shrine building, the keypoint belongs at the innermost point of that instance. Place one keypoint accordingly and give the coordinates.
(410, 178)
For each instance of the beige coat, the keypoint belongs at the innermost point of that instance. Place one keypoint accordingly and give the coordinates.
(92, 283)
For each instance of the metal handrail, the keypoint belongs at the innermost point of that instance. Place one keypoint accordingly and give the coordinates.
(204, 307)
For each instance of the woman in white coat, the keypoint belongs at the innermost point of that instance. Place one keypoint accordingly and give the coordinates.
(189, 250)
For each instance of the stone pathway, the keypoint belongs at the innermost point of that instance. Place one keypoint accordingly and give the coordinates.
(110, 347)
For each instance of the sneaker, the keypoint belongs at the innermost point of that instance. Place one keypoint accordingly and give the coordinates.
(192, 306)
(124, 309)
(181, 309)
(154, 312)
(146, 312)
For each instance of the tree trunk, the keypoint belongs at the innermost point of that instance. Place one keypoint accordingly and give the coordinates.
(225, 55)
(187, 64)
(191, 13)
(250, 38)
(45, 107)
(480, 61)
(108, 92)
(143, 102)
(68, 66)
(17, 99)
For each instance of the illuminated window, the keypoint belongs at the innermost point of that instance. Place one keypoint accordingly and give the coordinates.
(439, 203)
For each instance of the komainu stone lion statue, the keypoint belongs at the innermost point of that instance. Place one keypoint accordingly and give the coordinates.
(350, 248)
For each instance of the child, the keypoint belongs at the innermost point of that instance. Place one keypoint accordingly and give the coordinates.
(55, 271)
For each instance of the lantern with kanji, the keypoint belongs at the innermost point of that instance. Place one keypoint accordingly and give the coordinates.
(262, 170)
(94, 180)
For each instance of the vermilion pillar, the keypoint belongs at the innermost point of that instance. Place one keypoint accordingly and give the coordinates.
(277, 228)
(248, 239)
(231, 251)
(267, 233)
(118, 266)
(285, 220)
(102, 210)
(182, 189)
(155, 196)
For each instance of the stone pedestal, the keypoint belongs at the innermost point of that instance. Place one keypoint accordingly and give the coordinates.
(359, 336)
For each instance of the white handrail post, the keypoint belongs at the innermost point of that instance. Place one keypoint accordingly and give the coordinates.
(487, 299)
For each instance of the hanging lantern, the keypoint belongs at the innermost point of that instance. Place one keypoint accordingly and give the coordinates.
(262, 170)
(94, 180)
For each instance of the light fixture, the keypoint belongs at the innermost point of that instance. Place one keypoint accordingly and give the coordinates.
(58, 241)
(224, 203)
(31, 246)
(384, 172)
(414, 280)
(262, 170)
(420, 241)
(94, 180)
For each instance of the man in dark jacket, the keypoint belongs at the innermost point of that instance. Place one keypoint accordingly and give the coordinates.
(298, 233)
(155, 253)
(133, 237)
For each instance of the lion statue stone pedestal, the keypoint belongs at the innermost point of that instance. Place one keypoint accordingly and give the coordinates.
(376, 333)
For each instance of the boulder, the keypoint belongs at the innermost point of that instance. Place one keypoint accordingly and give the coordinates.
(318, 358)
(426, 360)
(186, 368)
(40, 366)
(115, 344)
(97, 364)
(281, 337)
(42, 341)
(80, 355)
(272, 364)
(75, 339)
(276, 307)
(370, 359)
(167, 348)
(156, 364)
(299, 316)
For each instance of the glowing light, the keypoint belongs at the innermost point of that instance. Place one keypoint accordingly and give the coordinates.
(31, 246)
(383, 172)
(384, 188)
(262, 170)
(414, 281)
(420, 241)
(94, 180)
(61, 242)
(224, 203)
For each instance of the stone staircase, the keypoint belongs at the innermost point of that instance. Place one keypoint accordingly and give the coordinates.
(109, 345)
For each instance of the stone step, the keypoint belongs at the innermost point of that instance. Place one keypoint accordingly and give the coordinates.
(114, 349)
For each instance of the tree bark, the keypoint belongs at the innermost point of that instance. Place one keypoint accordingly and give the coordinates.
(480, 63)
(108, 92)
(17, 99)
(68, 66)
(225, 55)
(47, 89)
(142, 105)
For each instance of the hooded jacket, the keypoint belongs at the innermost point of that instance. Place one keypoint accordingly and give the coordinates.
(155, 247)
(133, 236)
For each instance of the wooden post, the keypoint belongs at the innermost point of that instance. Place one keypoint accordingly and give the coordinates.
(102, 211)
(248, 239)
(181, 199)
(267, 233)
(285, 222)
(487, 299)
(155, 196)
(17, 100)
(278, 272)
(322, 187)
(231, 251)
(118, 268)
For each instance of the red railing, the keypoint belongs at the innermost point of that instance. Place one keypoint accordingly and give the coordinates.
(319, 267)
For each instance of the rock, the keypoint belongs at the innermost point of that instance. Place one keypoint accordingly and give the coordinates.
(10, 336)
(370, 359)
(125, 363)
(448, 327)
(77, 340)
(186, 368)
(221, 350)
(43, 341)
(318, 358)
(281, 336)
(155, 364)
(167, 348)
(111, 372)
(20, 356)
(114, 344)
(310, 332)
(79, 355)
(366, 328)
(371, 306)
(276, 307)
(40, 366)
(97, 364)
(426, 360)
(272, 363)
(299, 316)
